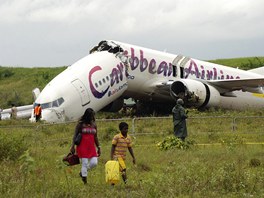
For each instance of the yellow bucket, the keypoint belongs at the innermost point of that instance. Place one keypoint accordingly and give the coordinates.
(112, 172)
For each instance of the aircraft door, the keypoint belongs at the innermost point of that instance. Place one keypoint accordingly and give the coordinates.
(82, 91)
(179, 62)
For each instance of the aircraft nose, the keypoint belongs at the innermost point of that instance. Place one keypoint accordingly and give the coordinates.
(52, 115)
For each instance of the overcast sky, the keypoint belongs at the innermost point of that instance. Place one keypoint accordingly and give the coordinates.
(47, 33)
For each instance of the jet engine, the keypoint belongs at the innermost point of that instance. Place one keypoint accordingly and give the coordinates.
(195, 93)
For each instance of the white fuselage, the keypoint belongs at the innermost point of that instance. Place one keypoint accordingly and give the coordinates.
(102, 77)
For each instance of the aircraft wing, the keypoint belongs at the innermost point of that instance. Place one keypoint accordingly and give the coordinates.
(251, 85)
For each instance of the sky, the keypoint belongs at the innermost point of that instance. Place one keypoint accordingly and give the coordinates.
(54, 33)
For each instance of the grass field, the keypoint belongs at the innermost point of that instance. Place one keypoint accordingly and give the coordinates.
(219, 164)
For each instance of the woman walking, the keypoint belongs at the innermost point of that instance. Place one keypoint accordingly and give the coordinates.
(86, 148)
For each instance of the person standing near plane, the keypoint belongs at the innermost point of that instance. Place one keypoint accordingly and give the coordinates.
(1, 114)
(37, 112)
(86, 150)
(13, 111)
(179, 120)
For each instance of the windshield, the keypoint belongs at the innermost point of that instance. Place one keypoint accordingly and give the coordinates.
(55, 103)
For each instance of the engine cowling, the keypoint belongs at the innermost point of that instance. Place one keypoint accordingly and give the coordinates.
(195, 93)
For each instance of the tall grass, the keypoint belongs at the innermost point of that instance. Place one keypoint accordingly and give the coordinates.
(228, 169)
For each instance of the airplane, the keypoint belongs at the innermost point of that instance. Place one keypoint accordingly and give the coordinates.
(23, 112)
(114, 71)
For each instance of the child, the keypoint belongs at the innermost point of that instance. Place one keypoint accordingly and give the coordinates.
(120, 143)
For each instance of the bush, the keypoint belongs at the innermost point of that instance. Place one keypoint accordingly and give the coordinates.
(254, 162)
(11, 147)
(174, 142)
(6, 73)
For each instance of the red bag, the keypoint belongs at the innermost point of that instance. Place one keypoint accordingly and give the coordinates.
(71, 159)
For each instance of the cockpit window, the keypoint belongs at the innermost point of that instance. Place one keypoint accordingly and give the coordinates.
(60, 101)
(55, 103)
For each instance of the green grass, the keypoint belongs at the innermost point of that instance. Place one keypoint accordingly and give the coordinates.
(229, 169)
(242, 63)
(16, 84)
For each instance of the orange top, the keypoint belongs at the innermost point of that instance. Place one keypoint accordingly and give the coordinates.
(37, 110)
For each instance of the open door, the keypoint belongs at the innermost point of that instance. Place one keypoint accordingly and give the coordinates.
(82, 91)
(179, 61)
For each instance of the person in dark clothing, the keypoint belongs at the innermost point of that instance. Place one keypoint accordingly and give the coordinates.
(13, 112)
(179, 120)
(1, 114)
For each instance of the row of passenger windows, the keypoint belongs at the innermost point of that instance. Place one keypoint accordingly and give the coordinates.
(100, 82)
(104, 80)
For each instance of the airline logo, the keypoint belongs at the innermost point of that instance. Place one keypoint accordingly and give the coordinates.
(164, 68)
(116, 77)
(199, 71)
(152, 66)
(96, 93)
